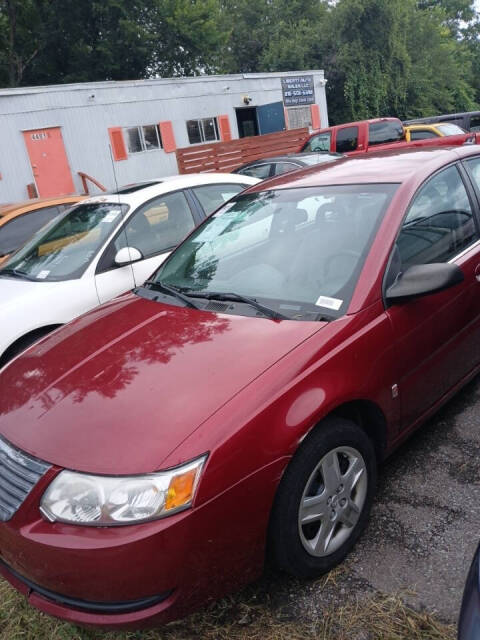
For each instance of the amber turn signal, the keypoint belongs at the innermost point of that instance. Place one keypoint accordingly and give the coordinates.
(181, 490)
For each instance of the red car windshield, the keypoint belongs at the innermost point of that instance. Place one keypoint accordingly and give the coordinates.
(298, 250)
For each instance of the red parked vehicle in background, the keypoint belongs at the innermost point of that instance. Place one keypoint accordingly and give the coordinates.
(378, 134)
(153, 450)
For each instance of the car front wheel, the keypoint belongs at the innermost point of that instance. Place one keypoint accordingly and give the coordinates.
(324, 498)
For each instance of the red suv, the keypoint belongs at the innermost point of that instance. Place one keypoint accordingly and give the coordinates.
(240, 400)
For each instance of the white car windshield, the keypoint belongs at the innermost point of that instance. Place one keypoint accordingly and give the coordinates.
(299, 251)
(63, 249)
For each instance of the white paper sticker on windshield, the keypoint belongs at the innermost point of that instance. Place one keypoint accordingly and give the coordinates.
(330, 303)
(43, 274)
(110, 217)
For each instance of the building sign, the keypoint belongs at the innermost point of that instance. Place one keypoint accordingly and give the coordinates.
(298, 90)
(39, 136)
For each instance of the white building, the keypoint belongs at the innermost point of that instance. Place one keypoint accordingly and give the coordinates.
(123, 132)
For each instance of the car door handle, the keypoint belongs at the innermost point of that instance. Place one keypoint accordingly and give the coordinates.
(477, 273)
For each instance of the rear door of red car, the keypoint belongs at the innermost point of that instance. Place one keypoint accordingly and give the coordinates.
(438, 335)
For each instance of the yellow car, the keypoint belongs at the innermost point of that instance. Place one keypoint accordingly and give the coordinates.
(19, 221)
(438, 130)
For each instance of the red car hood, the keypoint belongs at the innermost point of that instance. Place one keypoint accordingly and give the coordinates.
(116, 390)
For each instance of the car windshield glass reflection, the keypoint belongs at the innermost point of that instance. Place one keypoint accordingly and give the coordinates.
(65, 248)
(299, 251)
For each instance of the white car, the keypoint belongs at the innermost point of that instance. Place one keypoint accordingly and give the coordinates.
(100, 249)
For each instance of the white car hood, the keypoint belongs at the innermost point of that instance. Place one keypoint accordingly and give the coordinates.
(14, 291)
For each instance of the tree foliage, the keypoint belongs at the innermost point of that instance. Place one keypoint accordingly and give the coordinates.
(58, 41)
(381, 57)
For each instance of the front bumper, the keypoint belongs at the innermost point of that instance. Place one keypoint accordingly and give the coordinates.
(139, 575)
(96, 613)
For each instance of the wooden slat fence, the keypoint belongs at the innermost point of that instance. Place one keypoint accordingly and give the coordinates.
(227, 156)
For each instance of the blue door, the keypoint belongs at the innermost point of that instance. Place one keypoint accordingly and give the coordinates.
(270, 118)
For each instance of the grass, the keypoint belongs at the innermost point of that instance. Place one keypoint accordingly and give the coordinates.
(249, 614)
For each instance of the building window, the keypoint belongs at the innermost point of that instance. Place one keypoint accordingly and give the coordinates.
(143, 138)
(299, 117)
(203, 130)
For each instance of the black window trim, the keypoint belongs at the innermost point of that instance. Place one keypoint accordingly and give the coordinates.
(474, 204)
(100, 268)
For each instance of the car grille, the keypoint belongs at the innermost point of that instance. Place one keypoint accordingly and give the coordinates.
(19, 473)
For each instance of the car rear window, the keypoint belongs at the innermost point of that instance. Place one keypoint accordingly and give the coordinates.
(475, 123)
(261, 171)
(383, 132)
(450, 129)
(422, 134)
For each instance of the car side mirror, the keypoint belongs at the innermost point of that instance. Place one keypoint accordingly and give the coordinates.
(423, 280)
(127, 255)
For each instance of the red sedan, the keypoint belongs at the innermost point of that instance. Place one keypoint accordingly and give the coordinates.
(154, 450)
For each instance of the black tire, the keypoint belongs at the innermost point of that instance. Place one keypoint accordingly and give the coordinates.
(291, 545)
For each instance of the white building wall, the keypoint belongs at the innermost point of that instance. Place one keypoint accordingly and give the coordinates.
(86, 111)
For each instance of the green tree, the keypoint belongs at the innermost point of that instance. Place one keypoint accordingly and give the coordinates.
(396, 58)
(297, 37)
(273, 35)
(20, 41)
(249, 24)
(55, 41)
(441, 72)
(186, 36)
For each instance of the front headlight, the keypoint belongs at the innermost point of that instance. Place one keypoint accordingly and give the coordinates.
(85, 499)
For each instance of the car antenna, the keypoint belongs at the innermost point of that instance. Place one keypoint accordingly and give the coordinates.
(114, 172)
(121, 208)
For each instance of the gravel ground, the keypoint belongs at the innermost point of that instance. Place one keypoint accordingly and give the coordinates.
(425, 524)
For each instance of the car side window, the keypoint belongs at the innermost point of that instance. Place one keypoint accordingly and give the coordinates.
(285, 167)
(383, 132)
(211, 196)
(158, 226)
(474, 166)
(20, 229)
(475, 123)
(439, 223)
(347, 139)
(260, 171)
(422, 134)
(320, 142)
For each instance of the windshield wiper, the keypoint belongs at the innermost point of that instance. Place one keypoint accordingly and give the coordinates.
(173, 291)
(237, 297)
(16, 274)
